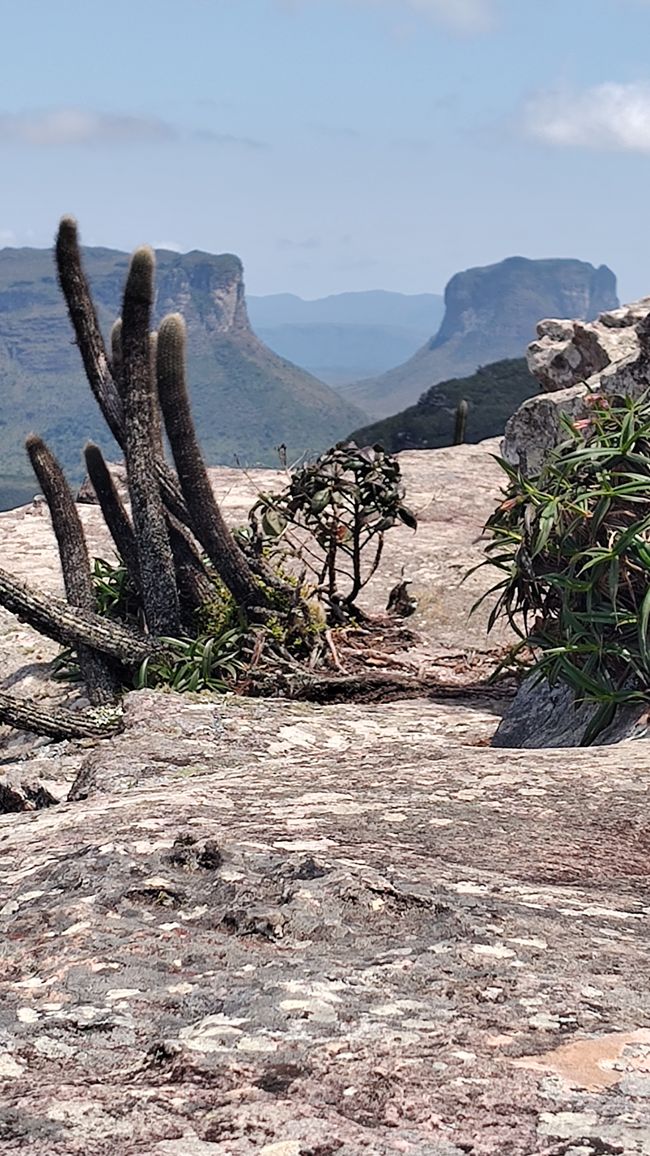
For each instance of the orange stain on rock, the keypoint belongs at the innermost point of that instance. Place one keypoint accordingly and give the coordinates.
(597, 1062)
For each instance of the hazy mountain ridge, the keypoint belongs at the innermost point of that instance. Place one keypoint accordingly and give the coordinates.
(490, 315)
(346, 335)
(246, 398)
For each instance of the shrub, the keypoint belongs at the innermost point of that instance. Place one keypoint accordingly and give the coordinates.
(341, 507)
(573, 545)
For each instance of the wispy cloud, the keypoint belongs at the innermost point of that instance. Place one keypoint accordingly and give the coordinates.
(333, 131)
(64, 127)
(78, 126)
(461, 15)
(288, 244)
(607, 117)
(227, 139)
(464, 16)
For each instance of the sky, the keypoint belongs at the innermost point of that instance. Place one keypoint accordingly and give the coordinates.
(334, 145)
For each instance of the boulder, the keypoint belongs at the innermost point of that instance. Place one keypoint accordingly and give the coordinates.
(543, 716)
(575, 361)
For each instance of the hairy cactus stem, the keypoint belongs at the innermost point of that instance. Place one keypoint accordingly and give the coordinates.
(112, 508)
(194, 584)
(81, 309)
(206, 518)
(116, 354)
(99, 673)
(460, 427)
(156, 416)
(105, 388)
(155, 561)
(57, 724)
(71, 626)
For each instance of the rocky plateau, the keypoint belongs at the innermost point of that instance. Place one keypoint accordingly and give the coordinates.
(264, 926)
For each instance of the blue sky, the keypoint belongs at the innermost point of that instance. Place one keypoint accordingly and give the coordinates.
(333, 144)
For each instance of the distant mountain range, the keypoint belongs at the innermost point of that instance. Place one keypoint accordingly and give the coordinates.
(246, 399)
(493, 394)
(490, 314)
(348, 335)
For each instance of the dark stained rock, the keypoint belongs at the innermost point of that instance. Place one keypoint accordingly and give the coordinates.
(545, 716)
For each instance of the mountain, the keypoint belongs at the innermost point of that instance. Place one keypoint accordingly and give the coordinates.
(494, 392)
(348, 335)
(246, 399)
(490, 314)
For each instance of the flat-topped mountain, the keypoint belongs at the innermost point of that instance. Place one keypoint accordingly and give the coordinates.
(490, 314)
(246, 399)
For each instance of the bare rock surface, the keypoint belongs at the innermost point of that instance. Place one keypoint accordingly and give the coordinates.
(260, 926)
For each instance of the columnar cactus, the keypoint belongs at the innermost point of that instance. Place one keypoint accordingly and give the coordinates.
(102, 684)
(205, 514)
(155, 560)
(174, 517)
(112, 507)
(460, 428)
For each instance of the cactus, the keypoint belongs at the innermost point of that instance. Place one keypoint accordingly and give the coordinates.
(74, 287)
(100, 678)
(58, 724)
(171, 516)
(155, 561)
(112, 508)
(156, 416)
(460, 427)
(195, 588)
(116, 354)
(206, 517)
(71, 626)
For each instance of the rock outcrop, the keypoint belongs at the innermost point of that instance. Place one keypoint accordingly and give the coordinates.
(573, 361)
(490, 314)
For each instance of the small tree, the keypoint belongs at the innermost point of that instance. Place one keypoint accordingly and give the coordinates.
(333, 516)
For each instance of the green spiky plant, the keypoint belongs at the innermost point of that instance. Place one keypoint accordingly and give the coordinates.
(572, 546)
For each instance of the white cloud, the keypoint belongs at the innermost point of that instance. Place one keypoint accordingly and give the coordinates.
(77, 126)
(607, 117)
